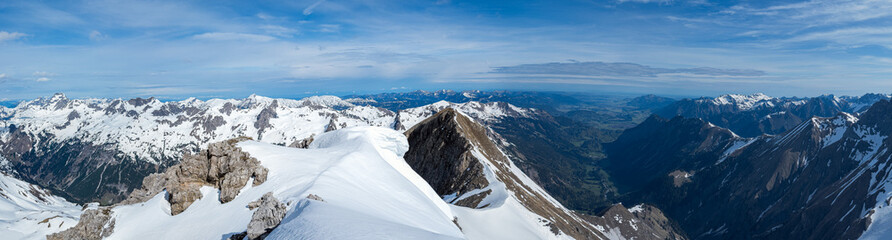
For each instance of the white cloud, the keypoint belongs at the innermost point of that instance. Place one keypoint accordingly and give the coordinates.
(97, 36)
(279, 30)
(9, 36)
(329, 28)
(43, 74)
(822, 12)
(309, 10)
(229, 36)
(43, 79)
(2, 75)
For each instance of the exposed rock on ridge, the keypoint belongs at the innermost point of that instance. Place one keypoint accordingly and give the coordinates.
(222, 165)
(94, 224)
(268, 215)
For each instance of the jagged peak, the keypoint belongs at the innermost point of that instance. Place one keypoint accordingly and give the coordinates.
(58, 97)
(743, 102)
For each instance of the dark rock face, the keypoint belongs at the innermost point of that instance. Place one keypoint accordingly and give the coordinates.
(442, 156)
(454, 135)
(265, 115)
(658, 146)
(94, 224)
(818, 180)
(78, 171)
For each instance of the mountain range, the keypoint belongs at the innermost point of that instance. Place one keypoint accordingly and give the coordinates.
(472, 164)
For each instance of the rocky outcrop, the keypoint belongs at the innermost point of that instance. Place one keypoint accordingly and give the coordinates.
(442, 156)
(94, 224)
(223, 165)
(265, 115)
(268, 215)
(638, 222)
(303, 143)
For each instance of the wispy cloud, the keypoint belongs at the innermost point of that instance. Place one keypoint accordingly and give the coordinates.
(229, 36)
(97, 36)
(9, 36)
(619, 70)
(43, 74)
(309, 9)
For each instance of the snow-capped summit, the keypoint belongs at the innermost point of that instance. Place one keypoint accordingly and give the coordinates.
(326, 101)
(743, 102)
(484, 112)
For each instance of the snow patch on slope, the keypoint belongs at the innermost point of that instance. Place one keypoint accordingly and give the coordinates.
(29, 212)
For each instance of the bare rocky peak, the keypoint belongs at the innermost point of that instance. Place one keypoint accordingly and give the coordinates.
(441, 154)
(449, 150)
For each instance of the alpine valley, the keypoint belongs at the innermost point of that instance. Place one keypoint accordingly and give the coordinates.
(448, 165)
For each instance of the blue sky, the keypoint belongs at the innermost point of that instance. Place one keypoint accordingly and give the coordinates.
(178, 49)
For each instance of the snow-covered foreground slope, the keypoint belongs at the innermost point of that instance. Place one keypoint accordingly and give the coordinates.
(29, 212)
(368, 192)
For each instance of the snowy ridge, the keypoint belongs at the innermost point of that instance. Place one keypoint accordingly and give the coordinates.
(482, 112)
(149, 129)
(506, 212)
(367, 192)
(29, 212)
(743, 102)
(152, 130)
(855, 104)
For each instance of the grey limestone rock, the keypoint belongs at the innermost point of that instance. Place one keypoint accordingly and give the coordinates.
(268, 215)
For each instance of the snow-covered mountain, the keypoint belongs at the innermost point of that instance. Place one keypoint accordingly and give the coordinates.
(92, 149)
(351, 183)
(825, 178)
(757, 114)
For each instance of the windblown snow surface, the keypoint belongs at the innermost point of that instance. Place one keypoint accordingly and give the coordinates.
(29, 212)
(368, 192)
